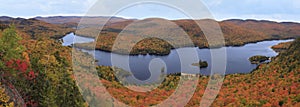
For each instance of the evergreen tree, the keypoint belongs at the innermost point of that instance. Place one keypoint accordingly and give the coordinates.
(10, 49)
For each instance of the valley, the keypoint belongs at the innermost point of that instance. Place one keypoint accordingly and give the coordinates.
(34, 62)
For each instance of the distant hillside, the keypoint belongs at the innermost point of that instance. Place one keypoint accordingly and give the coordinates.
(236, 32)
(32, 28)
(233, 29)
(274, 30)
(75, 19)
(233, 34)
(72, 21)
(5, 18)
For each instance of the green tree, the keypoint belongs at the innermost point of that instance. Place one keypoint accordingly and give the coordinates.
(9, 46)
(55, 86)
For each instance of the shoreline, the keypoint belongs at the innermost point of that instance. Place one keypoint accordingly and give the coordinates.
(257, 67)
(169, 51)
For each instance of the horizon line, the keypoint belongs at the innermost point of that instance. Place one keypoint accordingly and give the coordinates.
(133, 18)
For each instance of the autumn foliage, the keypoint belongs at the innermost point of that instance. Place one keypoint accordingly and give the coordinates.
(274, 84)
(23, 68)
(40, 76)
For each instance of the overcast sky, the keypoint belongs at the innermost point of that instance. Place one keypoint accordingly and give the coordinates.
(276, 10)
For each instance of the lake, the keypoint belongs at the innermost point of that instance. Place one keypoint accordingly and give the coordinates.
(70, 38)
(237, 58)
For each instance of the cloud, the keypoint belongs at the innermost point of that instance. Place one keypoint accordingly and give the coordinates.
(221, 9)
(277, 10)
(27, 8)
(296, 4)
(141, 8)
(212, 3)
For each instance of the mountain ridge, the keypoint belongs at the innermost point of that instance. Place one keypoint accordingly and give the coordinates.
(236, 32)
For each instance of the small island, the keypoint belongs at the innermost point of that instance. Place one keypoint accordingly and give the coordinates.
(258, 59)
(201, 64)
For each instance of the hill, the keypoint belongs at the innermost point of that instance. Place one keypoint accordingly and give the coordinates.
(274, 30)
(38, 71)
(235, 32)
(42, 71)
(32, 28)
(76, 19)
(72, 21)
(273, 84)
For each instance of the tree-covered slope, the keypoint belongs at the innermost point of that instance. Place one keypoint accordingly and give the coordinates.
(35, 29)
(235, 32)
(40, 71)
(274, 84)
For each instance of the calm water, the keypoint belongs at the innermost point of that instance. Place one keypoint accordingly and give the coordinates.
(68, 39)
(237, 58)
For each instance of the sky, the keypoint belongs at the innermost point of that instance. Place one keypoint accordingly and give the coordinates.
(275, 10)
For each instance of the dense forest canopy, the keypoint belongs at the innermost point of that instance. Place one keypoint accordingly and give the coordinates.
(38, 71)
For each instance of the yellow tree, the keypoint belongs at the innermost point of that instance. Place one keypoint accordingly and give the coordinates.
(5, 99)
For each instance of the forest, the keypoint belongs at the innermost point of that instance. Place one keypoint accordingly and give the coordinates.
(272, 84)
(36, 70)
(39, 76)
(236, 33)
